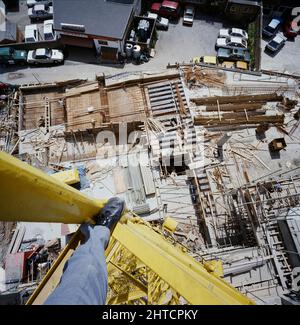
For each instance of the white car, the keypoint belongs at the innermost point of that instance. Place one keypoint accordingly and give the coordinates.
(45, 56)
(31, 34)
(233, 32)
(188, 15)
(231, 43)
(40, 12)
(49, 33)
(31, 3)
(276, 43)
(161, 23)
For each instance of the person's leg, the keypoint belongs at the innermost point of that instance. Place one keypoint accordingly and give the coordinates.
(84, 280)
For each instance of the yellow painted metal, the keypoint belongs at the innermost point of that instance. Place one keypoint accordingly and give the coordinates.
(170, 224)
(28, 194)
(67, 176)
(185, 275)
(136, 250)
(228, 64)
(209, 59)
(196, 59)
(215, 266)
(242, 65)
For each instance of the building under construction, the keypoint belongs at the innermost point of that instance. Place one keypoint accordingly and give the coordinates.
(207, 161)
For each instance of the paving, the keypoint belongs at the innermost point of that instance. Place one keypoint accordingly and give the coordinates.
(178, 44)
(286, 60)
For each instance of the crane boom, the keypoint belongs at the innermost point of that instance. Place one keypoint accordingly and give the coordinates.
(144, 265)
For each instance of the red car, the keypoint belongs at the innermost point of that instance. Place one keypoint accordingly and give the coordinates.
(291, 30)
(292, 26)
(168, 9)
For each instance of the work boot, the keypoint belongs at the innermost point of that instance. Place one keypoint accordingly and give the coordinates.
(111, 213)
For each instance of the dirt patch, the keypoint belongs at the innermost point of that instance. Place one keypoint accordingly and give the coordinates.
(6, 233)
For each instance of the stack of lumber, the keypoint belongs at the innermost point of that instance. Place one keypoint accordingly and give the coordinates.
(240, 99)
(237, 110)
(204, 77)
(238, 120)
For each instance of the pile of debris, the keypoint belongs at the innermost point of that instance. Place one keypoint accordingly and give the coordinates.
(27, 261)
(198, 76)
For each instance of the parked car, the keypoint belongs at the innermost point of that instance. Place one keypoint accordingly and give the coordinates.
(271, 29)
(188, 15)
(31, 33)
(290, 31)
(235, 65)
(160, 22)
(231, 43)
(45, 56)
(49, 33)
(242, 65)
(32, 3)
(167, 9)
(233, 55)
(291, 27)
(276, 43)
(233, 32)
(9, 55)
(40, 12)
(210, 60)
(228, 64)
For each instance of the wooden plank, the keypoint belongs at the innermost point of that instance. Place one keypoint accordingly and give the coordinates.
(147, 180)
(236, 115)
(181, 105)
(237, 99)
(13, 240)
(234, 107)
(82, 89)
(119, 180)
(273, 119)
(19, 239)
(144, 79)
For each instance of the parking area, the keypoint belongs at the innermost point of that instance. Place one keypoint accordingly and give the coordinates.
(181, 43)
(20, 17)
(286, 59)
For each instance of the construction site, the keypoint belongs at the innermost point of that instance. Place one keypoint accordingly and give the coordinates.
(207, 161)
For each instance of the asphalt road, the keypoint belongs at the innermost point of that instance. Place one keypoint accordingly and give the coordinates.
(178, 44)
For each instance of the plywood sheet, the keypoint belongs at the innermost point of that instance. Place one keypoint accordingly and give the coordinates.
(126, 104)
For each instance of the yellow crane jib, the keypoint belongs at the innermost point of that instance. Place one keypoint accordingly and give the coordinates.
(144, 265)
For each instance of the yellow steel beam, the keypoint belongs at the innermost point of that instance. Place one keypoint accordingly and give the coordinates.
(126, 297)
(28, 194)
(189, 278)
(185, 275)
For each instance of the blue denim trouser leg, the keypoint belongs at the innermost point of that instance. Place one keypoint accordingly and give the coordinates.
(84, 279)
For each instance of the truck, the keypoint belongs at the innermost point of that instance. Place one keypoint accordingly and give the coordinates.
(233, 55)
(9, 55)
